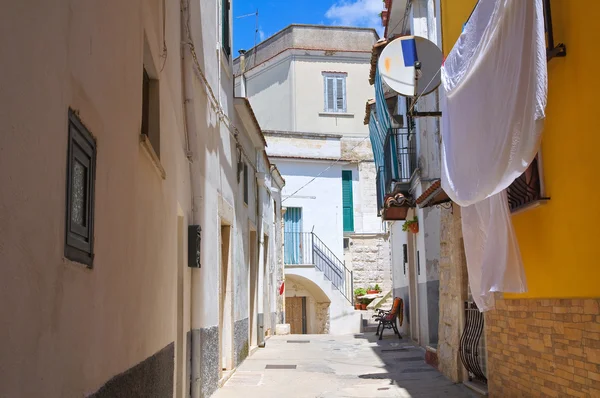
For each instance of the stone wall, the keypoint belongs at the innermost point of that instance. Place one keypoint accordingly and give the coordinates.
(542, 347)
(322, 312)
(453, 293)
(370, 256)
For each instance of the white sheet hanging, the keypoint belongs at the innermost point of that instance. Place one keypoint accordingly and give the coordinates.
(495, 82)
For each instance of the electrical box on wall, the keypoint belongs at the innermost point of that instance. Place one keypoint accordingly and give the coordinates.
(194, 238)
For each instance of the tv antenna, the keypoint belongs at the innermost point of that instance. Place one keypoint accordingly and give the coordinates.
(255, 14)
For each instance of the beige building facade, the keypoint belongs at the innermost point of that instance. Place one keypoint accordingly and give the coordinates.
(118, 145)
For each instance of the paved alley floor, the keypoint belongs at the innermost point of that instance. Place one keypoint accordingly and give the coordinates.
(339, 366)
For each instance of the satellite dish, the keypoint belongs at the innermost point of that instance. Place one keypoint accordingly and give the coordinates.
(409, 65)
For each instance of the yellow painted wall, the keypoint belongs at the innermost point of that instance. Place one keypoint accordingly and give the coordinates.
(560, 241)
(454, 15)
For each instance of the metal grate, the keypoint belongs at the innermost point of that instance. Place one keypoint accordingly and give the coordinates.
(526, 188)
(400, 156)
(470, 343)
(299, 341)
(280, 367)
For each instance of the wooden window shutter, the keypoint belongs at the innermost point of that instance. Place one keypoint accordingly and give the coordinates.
(340, 100)
(329, 95)
(347, 201)
(225, 26)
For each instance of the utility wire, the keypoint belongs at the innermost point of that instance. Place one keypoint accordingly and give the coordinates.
(214, 103)
(321, 173)
(426, 87)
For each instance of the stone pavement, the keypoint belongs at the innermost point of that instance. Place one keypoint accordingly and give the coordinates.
(339, 366)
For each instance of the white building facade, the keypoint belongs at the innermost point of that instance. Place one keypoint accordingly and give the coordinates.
(306, 84)
(415, 256)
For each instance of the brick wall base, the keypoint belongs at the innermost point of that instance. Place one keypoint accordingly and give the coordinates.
(544, 348)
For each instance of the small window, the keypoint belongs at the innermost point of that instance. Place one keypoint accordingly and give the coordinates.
(151, 110)
(225, 34)
(81, 172)
(335, 92)
(245, 183)
(346, 243)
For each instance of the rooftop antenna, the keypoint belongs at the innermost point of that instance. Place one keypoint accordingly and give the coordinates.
(255, 31)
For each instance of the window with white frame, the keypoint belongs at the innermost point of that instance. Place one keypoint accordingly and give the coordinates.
(335, 91)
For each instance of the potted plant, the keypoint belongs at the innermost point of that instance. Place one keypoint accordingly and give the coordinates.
(372, 290)
(411, 225)
(364, 303)
(358, 292)
(377, 288)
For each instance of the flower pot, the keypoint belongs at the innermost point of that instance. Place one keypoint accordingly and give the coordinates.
(357, 306)
(414, 228)
(372, 292)
(363, 307)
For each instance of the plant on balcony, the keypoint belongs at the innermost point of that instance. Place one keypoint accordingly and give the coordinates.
(377, 288)
(411, 225)
(372, 290)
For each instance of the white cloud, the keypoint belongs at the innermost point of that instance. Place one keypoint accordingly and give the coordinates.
(261, 34)
(363, 13)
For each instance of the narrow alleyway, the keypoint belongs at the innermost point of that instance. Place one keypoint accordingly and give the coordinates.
(339, 366)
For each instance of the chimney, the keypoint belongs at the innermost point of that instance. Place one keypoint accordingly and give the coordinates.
(242, 73)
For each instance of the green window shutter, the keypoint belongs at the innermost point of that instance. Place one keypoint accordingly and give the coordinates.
(347, 202)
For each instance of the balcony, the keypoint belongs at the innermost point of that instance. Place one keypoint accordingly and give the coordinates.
(400, 160)
(394, 179)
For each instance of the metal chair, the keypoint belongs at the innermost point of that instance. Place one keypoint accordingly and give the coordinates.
(387, 318)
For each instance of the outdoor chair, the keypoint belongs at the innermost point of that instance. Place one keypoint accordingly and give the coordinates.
(387, 318)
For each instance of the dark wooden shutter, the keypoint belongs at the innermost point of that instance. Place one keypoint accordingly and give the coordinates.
(225, 25)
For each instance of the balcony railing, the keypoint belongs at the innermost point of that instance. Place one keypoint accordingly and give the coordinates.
(400, 157)
(379, 181)
(526, 189)
(472, 346)
(303, 248)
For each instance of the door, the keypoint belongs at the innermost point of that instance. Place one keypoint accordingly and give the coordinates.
(181, 384)
(253, 291)
(295, 314)
(413, 292)
(293, 235)
(225, 302)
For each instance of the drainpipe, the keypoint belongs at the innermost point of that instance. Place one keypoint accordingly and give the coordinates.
(260, 179)
(192, 142)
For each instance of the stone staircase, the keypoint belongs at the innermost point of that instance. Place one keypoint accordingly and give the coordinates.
(368, 324)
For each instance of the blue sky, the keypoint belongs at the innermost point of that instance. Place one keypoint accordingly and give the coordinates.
(274, 15)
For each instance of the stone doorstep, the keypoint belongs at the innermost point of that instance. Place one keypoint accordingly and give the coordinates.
(282, 329)
(479, 388)
(379, 301)
(431, 356)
